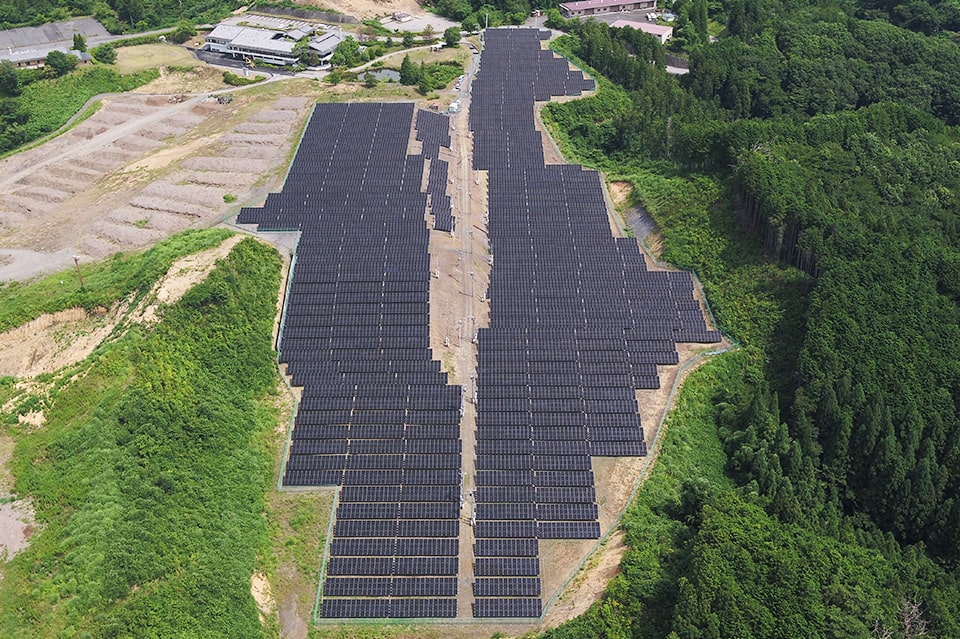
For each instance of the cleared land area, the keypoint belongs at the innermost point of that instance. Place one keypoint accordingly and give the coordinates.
(461, 262)
(149, 165)
(140, 169)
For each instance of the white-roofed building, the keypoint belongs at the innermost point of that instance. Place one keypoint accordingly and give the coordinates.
(268, 45)
(273, 47)
(659, 31)
(223, 33)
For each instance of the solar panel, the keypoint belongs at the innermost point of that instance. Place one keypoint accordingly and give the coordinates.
(577, 324)
(355, 608)
(506, 566)
(424, 587)
(423, 608)
(507, 607)
(506, 548)
(507, 587)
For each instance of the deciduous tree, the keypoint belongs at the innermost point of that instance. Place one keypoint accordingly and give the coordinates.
(59, 63)
(104, 53)
(9, 79)
(451, 37)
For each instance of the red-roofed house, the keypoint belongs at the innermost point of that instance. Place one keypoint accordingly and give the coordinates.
(660, 31)
(582, 8)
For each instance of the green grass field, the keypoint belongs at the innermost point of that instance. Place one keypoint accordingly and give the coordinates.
(152, 56)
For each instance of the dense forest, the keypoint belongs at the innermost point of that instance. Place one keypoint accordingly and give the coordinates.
(118, 16)
(808, 169)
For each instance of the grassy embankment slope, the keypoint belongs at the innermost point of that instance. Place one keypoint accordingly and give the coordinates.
(149, 477)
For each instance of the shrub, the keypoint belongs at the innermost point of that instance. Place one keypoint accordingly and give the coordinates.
(235, 80)
(183, 32)
(105, 53)
(451, 37)
(60, 63)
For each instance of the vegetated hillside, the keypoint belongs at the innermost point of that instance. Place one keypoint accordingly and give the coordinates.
(149, 476)
(807, 168)
(32, 105)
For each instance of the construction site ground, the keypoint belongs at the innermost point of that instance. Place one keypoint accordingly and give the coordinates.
(169, 157)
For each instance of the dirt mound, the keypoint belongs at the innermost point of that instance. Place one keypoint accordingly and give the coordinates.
(53, 341)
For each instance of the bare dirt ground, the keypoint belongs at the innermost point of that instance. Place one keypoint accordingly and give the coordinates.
(140, 169)
(55, 340)
(199, 79)
(620, 193)
(16, 515)
(365, 8)
(263, 595)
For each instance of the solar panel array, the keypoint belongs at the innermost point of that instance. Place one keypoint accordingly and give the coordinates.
(577, 324)
(376, 416)
(433, 130)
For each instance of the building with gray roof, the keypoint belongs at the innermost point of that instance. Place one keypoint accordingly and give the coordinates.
(268, 45)
(28, 46)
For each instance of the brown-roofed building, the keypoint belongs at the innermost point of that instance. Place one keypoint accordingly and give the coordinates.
(659, 31)
(583, 8)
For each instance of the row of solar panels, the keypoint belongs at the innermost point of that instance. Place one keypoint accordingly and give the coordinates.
(533, 286)
(356, 337)
(385, 608)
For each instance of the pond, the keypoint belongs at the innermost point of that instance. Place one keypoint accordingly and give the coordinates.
(384, 75)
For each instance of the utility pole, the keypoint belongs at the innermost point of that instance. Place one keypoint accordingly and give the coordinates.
(76, 260)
